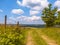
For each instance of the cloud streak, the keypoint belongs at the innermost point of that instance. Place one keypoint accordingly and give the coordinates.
(1, 10)
(17, 11)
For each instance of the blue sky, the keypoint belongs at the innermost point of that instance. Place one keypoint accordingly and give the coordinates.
(26, 12)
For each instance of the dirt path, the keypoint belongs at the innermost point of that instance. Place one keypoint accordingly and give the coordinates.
(29, 39)
(47, 39)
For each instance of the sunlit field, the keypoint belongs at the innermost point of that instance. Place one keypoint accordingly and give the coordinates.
(11, 35)
(29, 22)
(53, 33)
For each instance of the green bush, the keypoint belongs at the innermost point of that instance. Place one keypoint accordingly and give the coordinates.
(11, 37)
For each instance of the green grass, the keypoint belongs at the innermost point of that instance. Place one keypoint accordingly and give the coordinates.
(38, 40)
(13, 36)
(25, 32)
(53, 33)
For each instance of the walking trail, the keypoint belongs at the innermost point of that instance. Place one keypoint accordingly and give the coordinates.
(47, 39)
(30, 39)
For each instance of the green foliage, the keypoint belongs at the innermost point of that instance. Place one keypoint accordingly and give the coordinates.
(58, 19)
(11, 37)
(49, 15)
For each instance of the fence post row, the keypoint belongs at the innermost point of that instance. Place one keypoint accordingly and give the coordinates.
(6, 22)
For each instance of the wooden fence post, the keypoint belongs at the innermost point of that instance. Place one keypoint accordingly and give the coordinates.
(5, 21)
(18, 24)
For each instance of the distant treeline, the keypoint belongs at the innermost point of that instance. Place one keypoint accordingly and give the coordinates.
(26, 25)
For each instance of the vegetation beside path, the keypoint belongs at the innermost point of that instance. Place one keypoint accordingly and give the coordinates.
(53, 33)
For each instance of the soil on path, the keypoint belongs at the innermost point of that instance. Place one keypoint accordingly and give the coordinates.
(30, 39)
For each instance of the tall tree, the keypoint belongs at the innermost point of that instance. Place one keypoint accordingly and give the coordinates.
(49, 15)
(58, 18)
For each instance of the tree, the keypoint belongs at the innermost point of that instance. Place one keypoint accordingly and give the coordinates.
(49, 15)
(58, 18)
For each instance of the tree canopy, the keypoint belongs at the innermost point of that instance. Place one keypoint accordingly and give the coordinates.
(49, 15)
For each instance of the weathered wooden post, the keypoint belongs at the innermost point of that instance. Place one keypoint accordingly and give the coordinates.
(18, 24)
(17, 28)
(5, 21)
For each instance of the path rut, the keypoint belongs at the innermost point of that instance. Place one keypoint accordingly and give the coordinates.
(47, 39)
(29, 39)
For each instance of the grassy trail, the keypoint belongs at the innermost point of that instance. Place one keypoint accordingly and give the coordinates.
(53, 33)
(38, 40)
(37, 37)
(46, 38)
(34, 39)
(29, 38)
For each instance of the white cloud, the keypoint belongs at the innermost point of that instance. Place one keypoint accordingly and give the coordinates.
(32, 12)
(57, 3)
(44, 3)
(25, 18)
(12, 18)
(32, 18)
(33, 3)
(18, 2)
(1, 10)
(37, 8)
(17, 11)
